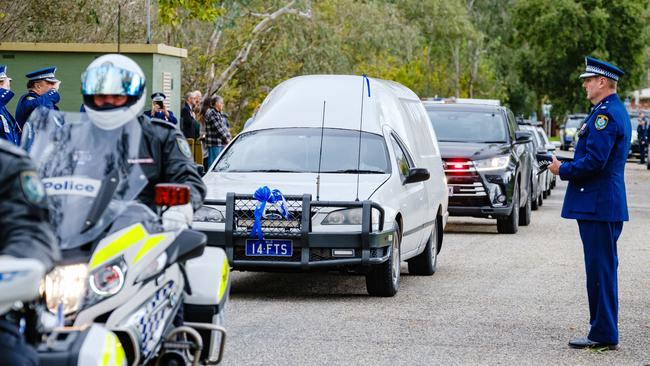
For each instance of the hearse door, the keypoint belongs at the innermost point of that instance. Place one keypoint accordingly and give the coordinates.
(410, 198)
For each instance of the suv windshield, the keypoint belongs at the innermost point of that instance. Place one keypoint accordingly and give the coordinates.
(573, 122)
(296, 150)
(468, 126)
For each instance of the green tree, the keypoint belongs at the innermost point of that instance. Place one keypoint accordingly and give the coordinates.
(555, 35)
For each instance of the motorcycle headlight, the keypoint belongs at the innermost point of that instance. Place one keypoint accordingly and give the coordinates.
(65, 287)
(105, 281)
(495, 163)
(350, 216)
(209, 214)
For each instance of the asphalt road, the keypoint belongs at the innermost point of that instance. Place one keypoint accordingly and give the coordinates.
(495, 300)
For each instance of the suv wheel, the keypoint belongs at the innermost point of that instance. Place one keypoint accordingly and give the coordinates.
(540, 201)
(424, 264)
(525, 213)
(383, 279)
(534, 204)
(510, 223)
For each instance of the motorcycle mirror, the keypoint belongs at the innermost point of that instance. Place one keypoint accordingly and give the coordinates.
(171, 194)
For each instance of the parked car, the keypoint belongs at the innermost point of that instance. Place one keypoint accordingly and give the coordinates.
(488, 169)
(634, 148)
(362, 215)
(548, 147)
(569, 129)
(538, 180)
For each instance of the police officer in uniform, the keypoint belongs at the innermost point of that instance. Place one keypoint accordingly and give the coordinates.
(42, 91)
(113, 88)
(159, 110)
(595, 197)
(24, 233)
(9, 129)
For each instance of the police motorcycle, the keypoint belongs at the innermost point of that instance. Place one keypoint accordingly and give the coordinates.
(135, 286)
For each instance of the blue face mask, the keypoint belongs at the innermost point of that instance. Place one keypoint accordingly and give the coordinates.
(5, 96)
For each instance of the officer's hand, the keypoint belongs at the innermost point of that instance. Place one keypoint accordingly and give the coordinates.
(555, 166)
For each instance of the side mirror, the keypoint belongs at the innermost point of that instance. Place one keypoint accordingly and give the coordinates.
(523, 137)
(550, 147)
(168, 195)
(201, 169)
(417, 175)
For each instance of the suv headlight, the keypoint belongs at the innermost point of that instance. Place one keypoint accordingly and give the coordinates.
(209, 214)
(495, 163)
(350, 216)
(65, 287)
(105, 281)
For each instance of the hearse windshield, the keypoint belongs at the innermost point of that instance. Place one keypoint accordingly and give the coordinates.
(468, 126)
(296, 150)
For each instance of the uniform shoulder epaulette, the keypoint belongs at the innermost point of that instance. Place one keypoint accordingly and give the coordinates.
(162, 122)
(12, 149)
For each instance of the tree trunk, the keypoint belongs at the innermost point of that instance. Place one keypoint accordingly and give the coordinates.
(214, 84)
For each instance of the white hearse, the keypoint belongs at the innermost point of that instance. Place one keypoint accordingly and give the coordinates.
(337, 211)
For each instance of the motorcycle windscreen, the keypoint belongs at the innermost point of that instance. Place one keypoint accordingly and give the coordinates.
(90, 174)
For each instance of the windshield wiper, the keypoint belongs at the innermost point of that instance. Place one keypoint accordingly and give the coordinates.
(355, 171)
(266, 171)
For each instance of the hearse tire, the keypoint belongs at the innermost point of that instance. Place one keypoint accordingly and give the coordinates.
(424, 264)
(383, 279)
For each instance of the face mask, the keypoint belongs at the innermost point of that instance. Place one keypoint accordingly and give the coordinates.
(5, 96)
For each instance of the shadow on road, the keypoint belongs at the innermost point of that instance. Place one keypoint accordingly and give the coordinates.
(298, 286)
(489, 228)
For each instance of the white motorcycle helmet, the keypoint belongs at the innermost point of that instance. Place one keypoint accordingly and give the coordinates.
(113, 74)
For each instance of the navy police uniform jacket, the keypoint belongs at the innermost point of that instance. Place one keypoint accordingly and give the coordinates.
(8, 128)
(24, 228)
(167, 158)
(161, 115)
(596, 189)
(30, 101)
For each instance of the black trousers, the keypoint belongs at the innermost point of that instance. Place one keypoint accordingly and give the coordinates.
(643, 150)
(13, 349)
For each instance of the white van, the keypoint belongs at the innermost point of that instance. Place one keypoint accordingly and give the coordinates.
(343, 213)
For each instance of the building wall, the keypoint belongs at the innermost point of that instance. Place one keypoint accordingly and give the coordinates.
(169, 84)
(70, 66)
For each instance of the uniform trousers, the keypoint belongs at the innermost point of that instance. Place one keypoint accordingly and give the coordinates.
(601, 264)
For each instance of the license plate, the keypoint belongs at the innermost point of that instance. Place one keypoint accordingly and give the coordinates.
(269, 248)
(450, 191)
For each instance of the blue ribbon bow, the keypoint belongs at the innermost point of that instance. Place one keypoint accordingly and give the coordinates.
(265, 195)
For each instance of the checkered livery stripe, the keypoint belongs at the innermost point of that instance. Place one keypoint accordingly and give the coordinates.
(152, 323)
(599, 71)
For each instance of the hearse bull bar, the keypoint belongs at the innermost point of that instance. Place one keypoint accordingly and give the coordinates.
(304, 238)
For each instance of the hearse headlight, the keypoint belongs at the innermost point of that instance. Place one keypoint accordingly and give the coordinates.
(64, 288)
(209, 214)
(350, 216)
(495, 163)
(105, 281)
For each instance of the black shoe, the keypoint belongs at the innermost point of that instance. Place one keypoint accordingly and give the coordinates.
(588, 343)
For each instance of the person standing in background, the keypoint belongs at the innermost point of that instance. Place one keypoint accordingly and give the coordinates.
(9, 130)
(43, 91)
(216, 126)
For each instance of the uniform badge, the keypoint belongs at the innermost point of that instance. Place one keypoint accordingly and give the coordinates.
(32, 187)
(601, 122)
(184, 147)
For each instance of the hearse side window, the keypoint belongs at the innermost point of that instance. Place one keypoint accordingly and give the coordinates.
(296, 150)
(404, 161)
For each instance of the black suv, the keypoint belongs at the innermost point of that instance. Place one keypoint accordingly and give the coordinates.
(488, 169)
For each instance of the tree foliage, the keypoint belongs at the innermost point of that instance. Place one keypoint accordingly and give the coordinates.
(524, 52)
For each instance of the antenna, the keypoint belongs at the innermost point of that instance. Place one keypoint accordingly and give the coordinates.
(320, 154)
(364, 80)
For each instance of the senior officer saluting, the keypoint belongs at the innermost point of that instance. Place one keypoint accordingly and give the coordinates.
(42, 91)
(595, 197)
(9, 130)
